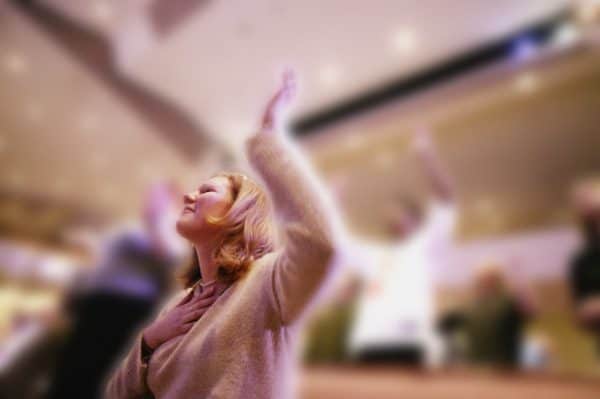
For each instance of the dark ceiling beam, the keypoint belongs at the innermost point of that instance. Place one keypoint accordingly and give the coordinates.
(94, 52)
(401, 88)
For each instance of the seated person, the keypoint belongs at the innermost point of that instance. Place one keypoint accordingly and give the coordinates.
(493, 323)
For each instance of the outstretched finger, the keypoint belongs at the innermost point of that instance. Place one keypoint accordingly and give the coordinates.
(288, 89)
(269, 117)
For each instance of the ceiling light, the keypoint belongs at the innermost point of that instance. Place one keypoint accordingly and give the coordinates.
(354, 142)
(526, 83)
(403, 41)
(15, 63)
(330, 75)
(565, 35)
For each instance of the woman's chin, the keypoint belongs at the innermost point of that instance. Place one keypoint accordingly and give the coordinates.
(184, 227)
(190, 228)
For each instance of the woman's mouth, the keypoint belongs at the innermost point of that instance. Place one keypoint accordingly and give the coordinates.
(189, 209)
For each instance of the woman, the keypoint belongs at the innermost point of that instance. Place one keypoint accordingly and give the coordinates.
(231, 334)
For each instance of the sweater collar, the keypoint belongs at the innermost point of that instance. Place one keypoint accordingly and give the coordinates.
(200, 286)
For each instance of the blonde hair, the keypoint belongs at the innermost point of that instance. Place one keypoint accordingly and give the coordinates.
(247, 232)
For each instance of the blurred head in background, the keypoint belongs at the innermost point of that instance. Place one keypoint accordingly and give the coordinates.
(160, 209)
(489, 280)
(406, 218)
(160, 202)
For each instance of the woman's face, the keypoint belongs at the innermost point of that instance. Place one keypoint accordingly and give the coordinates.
(211, 200)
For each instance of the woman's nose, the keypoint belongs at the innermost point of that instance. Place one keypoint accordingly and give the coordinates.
(189, 198)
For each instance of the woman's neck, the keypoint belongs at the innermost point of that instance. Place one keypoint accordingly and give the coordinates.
(208, 267)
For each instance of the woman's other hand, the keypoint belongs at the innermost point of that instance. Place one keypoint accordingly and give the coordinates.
(180, 319)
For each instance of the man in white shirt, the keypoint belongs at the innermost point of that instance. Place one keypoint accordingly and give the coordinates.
(395, 315)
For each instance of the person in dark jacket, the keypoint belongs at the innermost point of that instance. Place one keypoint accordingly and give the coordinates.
(493, 323)
(108, 305)
(584, 274)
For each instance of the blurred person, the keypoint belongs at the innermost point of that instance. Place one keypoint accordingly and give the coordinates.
(232, 332)
(105, 306)
(27, 355)
(584, 273)
(395, 314)
(493, 323)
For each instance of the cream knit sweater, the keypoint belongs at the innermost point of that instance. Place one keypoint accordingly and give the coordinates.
(243, 346)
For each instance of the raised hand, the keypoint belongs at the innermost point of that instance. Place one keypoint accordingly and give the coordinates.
(180, 319)
(422, 142)
(424, 148)
(276, 109)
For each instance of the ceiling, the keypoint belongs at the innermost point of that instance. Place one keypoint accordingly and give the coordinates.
(66, 136)
(220, 64)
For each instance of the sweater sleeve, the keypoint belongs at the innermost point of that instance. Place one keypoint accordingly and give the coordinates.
(305, 262)
(128, 381)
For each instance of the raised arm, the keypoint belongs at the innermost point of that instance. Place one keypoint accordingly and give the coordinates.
(436, 172)
(309, 222)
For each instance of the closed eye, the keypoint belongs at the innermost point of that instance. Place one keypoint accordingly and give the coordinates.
(207, 189)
